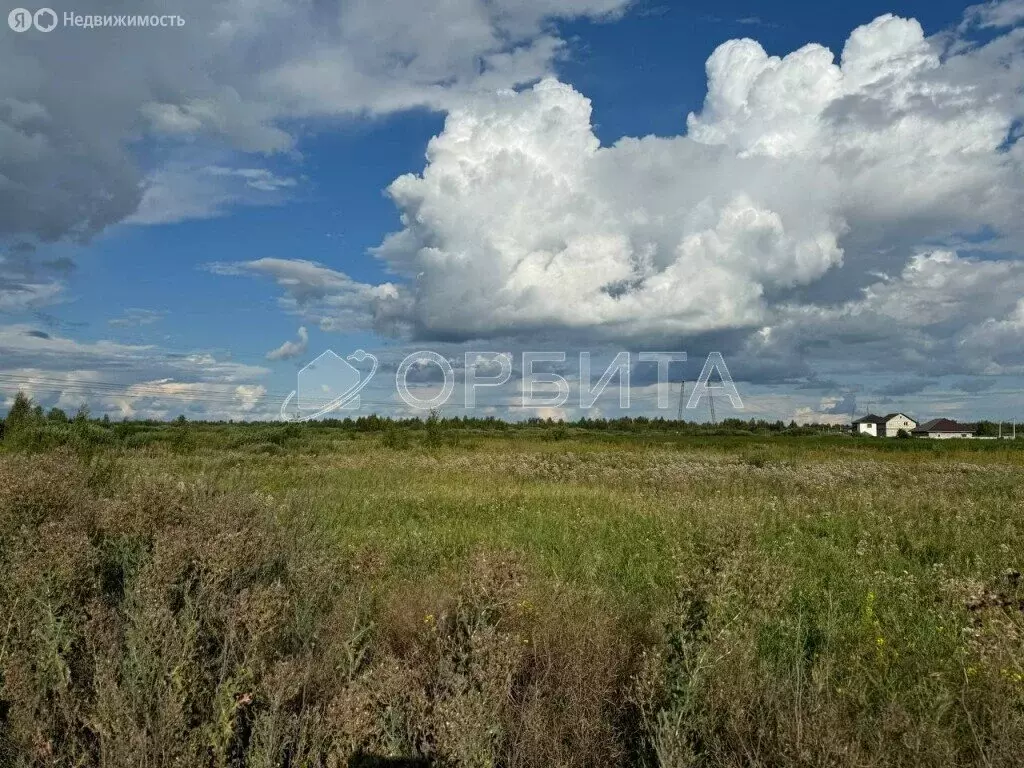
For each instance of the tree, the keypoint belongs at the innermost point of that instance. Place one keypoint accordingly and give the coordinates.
(987, 429)
(57, 416)
(83, 413)
(19, 416)
(21, 411)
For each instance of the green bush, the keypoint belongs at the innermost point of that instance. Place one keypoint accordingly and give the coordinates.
(395, 439)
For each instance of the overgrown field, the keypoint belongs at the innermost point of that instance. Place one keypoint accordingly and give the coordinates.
(307, 596)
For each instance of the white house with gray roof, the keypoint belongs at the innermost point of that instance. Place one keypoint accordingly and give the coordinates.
(884, 426)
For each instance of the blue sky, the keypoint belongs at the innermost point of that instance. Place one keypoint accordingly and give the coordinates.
(170, 225)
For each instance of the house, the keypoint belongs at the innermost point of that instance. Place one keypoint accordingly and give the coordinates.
(884, 426)
(869, 425)
(898, 422)
(943, 429)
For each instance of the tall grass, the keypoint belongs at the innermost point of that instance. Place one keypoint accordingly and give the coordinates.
(508, 601)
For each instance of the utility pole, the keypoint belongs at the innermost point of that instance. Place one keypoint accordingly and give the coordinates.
(682, 389)
(711, 403)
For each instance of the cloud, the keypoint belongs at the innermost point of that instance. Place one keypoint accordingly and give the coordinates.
(291, 349)
(17, 297)
(239, 75)
(904, 387)
(27, 282)
(798, 218)
(807, 415)
(839, 406)
(974, 386)
(755, 21)
(994, 346)
(134, 318)
(747, 21)
(146, 399)
(943, 314)
(999, 14)
(249, 396)
(322, 295)
(130, 380)
(179, 192)
(522, 221)
(797, 170)
(167, 399)
(23, 346)
(646, 10)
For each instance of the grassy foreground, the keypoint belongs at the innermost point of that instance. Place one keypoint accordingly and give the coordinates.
(320, 598)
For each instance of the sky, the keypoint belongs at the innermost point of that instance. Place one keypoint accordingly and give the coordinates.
(826, 194)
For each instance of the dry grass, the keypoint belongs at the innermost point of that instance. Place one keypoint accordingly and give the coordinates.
(502, 603)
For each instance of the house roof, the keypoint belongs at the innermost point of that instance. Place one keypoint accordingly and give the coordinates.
(892, 416)
(871, 419)
(946, 425)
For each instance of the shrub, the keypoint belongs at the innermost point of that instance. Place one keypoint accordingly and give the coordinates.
(177, 623)
(395, 438)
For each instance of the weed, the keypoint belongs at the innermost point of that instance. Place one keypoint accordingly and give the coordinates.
(270, 595)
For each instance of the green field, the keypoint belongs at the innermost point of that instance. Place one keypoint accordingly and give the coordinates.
(231, 595)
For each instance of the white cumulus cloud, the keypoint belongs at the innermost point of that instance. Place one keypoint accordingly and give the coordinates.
(291, 349)
(781, 211)
(796, 166)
